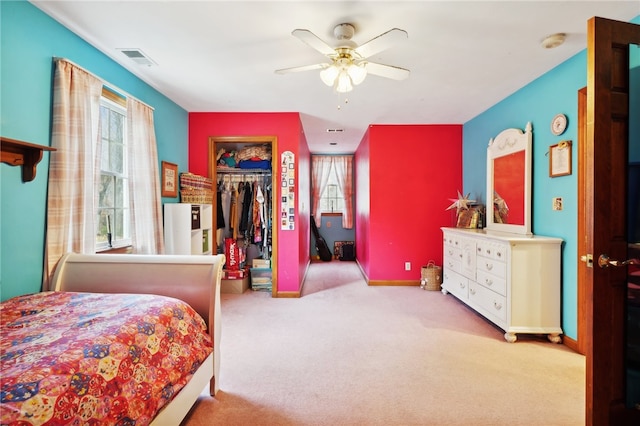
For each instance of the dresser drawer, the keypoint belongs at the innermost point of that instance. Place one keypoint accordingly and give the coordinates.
(491, 266)
(456, 284)
(492, 249)
(453, 240)
(452, 264)
(490, 302)
(492, 282)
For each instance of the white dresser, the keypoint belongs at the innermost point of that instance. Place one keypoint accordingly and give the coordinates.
(512, 280)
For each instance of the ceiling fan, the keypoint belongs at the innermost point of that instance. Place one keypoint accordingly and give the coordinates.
(349, 65)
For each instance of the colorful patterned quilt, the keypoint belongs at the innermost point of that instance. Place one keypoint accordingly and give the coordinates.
(95, 359)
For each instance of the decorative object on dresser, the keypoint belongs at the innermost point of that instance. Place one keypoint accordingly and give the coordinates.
(468, 212)
(504, 272)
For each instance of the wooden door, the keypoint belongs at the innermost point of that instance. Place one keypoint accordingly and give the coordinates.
(604, 191)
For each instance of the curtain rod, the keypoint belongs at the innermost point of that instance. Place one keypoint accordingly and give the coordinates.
(104, 82)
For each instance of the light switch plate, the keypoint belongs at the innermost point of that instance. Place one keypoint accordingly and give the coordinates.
(557, 203)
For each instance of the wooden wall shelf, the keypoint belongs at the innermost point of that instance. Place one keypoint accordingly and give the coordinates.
(25, 154)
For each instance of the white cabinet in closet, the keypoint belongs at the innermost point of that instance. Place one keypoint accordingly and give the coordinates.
(512, 280)
(188, 228)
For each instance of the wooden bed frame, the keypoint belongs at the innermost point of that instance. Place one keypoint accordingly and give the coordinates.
(192, 279)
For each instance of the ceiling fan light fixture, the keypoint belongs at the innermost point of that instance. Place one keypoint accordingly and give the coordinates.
(357, 73)
(343, 84)
(329, 75)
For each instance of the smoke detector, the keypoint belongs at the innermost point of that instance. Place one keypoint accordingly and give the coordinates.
(554, 40)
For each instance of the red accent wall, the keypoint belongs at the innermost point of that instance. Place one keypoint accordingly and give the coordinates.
(293, 246)
(405, 175)
(362, 213)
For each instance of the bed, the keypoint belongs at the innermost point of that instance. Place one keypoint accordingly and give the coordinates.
(43, 382)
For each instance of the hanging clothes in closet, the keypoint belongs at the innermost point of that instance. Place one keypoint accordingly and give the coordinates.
(245, 208)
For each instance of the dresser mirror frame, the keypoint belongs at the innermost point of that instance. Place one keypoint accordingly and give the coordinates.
(510, 142)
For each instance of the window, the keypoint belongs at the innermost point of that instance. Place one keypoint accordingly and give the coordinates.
(332, 199)
(103, 175)
(113, 215)
(332, 187)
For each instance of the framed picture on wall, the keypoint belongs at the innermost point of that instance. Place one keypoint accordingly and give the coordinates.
(560, 159)
(169, 179)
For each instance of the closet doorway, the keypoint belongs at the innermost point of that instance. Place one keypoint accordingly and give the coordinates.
(217, 173)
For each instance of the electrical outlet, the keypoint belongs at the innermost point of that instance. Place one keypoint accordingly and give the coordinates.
(407, 266)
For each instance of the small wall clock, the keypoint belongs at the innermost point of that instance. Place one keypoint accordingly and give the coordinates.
(559, 124)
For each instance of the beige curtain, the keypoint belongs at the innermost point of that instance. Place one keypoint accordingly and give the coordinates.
(73, 166)
(344, 170)
(320, 169)
(146, 205)
(321, 166)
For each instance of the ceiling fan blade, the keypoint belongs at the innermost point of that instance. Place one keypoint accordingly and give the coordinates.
(381, 42)
(302, 68)
(314, 41)
(388, 71)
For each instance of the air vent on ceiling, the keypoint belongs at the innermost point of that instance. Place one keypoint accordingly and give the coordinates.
(138, 56)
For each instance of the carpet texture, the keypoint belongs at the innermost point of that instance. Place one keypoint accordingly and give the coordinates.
(348, 354)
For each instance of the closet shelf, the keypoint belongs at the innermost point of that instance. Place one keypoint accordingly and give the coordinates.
(236, 170)
(25, 154)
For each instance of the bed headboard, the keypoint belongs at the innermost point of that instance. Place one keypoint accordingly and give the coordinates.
(193, 279)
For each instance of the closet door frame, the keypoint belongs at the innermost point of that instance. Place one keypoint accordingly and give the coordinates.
(215, 142)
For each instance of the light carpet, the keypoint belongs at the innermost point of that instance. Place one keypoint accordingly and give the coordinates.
(349, 354)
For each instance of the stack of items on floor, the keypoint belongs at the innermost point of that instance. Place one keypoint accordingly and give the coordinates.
(236, 279)
(261, 275)
(196, 189)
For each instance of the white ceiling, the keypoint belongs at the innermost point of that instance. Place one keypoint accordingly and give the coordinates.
(215, 56)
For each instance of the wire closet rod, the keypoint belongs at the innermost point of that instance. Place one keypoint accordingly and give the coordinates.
(104, 82)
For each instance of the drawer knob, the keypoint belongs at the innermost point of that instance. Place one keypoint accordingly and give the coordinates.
(488, 281)
(488, 251)
(472, 291)
(489, 266)
(497, 305)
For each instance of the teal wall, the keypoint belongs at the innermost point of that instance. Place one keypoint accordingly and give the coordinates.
(28, 40)
(554, 92)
